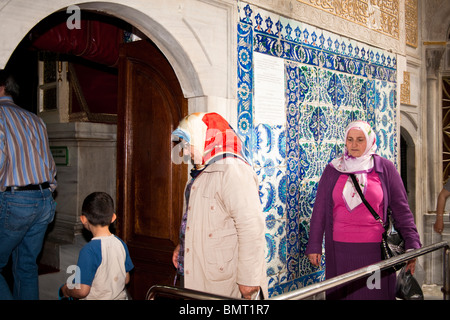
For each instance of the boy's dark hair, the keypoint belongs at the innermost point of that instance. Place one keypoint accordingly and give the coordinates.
(10, 84)
(98, 208)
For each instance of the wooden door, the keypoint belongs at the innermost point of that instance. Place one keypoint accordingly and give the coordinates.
(149, 185)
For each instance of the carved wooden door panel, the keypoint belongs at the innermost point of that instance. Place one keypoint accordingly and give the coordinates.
(149, 185)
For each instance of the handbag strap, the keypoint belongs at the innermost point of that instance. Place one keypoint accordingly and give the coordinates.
(375, 215)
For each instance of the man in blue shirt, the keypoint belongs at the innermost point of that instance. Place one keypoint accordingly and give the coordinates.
(27, 181)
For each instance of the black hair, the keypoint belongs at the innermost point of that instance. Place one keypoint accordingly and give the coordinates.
(10, 84)
(98, 208)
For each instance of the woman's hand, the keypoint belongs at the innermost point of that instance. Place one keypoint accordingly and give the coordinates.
(315, 258)
(175, 254)
(247, 292)
(411, 266)
(439, 224)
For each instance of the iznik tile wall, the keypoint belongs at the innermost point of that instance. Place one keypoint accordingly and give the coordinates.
(329, 81)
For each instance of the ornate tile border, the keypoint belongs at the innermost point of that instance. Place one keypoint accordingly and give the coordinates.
(329, 81)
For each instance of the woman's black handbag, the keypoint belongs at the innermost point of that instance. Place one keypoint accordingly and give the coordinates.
(392, 243)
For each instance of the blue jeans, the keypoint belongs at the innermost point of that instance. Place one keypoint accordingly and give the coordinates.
(24, 217)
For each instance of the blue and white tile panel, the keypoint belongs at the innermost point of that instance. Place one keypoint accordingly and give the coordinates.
(330, 80)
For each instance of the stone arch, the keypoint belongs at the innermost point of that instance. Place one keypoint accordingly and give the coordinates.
(172, 48)
(410, 147)
(162, 37)
(408, 165)
(439, 23)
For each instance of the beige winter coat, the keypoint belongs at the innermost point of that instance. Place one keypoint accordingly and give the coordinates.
(225, 242)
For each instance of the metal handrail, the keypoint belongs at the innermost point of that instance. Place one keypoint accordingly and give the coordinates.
(177, 292)
(319, 287)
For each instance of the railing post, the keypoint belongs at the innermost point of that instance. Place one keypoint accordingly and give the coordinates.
(446, 273)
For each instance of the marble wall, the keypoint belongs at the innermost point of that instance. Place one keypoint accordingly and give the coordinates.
(329, 81)
(90, 166)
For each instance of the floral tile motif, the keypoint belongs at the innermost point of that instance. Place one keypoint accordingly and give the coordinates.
(329, 81)
(276, 246)
(272, 190)
(269, 145)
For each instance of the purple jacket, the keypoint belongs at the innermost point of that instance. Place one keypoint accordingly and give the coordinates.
(394, 197)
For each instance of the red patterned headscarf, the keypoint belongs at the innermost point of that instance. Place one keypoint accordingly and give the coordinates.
(211, 135)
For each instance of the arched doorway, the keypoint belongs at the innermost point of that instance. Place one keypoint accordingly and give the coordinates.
(149, 185)
(408, 167)
(146, 102)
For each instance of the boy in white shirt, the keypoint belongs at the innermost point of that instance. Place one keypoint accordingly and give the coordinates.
(104, 263)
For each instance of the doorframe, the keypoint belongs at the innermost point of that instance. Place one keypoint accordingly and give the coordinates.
(150, 251)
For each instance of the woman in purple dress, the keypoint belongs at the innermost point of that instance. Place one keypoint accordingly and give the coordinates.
(352, 235)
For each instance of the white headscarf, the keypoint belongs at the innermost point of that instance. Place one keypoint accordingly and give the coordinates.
(360, 166)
